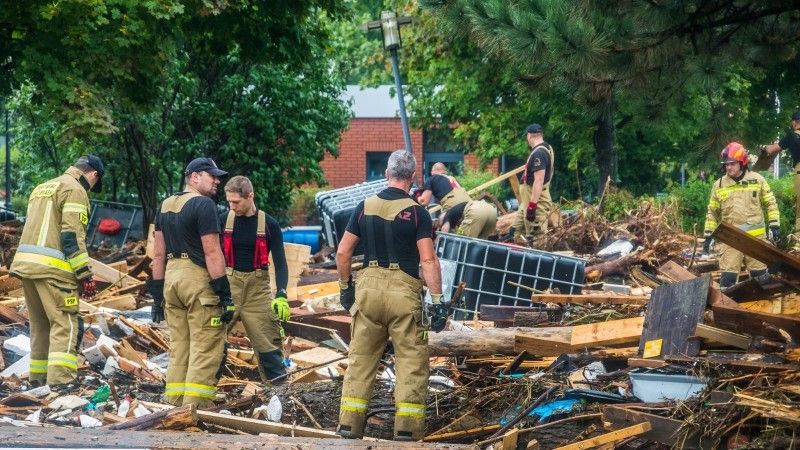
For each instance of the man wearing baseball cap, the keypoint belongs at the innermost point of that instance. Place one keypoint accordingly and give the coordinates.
(534, 190)
(189, 286)
(791, 142)
(53, 264)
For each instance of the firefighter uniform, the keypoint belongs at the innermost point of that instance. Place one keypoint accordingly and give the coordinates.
(193, 313)
(741, 204)
(538, 228)
(479, 219)
(456, 196)
(51, 260)
(252, 296)
(387, 305)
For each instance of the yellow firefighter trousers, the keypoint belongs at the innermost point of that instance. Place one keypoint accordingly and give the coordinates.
(387, 305)
(252, 296)
(730, 259)
(53, 315)
(197, 335)
(479, 220)
(538, 228)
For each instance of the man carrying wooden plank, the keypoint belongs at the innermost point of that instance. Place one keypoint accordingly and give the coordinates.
(189, 282)
(397, 237)
(535, 202)
(739, 199)
(248, 238)
(53, 264)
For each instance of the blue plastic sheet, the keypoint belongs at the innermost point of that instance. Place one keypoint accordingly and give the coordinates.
(555, 407)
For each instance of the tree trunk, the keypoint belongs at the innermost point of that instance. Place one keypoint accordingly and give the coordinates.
(604, 139)
(145, 175)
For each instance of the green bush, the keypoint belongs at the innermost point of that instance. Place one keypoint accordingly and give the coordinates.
(617, 203)
(474, 178)
(303, 203)
(783, 188)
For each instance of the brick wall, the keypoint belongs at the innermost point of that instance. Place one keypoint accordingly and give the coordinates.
(366, 135)
(471, 162)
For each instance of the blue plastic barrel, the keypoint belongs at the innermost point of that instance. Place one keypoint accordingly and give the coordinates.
(307, 235)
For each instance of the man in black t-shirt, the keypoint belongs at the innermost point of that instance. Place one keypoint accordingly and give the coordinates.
(531, 224)
(397, 237)
(190, 286)
(249, 236)
(791, 141)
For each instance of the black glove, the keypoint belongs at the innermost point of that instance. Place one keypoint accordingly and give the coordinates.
(707, 244)
(774, 234)
(347, 293)
(87, 288)
(222, 288)
(438, 313)
(156, 289)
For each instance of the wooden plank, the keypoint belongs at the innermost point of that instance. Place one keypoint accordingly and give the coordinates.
(509, 441)
(676, 272)
(789, 304)
(738, 364)
(10, 316)
(170, 419)
(110, 275)
(125, 302)
(558, 340)
(663, 430)
(302, 293)
(751, 322)
(672, 316)
(256, 426)
(763, 251)
(723, 336)
(514, 182)
(614, 299)
(307, 331)
(752, 289)
(614, 436)
(646, 363)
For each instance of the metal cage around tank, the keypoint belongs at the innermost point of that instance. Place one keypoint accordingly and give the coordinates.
(487, 267)
(336, 206)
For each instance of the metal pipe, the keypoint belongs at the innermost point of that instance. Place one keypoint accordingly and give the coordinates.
(401, 99)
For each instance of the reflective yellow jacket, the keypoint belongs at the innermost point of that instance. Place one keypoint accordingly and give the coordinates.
(53, 242)
(742, 204)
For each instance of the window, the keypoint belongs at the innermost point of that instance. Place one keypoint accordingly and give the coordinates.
(376, 165)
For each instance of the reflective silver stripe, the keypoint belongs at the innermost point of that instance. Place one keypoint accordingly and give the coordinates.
(46, 224)
(747, 227)
(39, 250)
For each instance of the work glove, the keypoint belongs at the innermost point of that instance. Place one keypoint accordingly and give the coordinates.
(87, 288)
(281, 306)
(222, 288)
(530, 213)
(347, 293)
(707, 241)
(774, 234)
(156, 289)
(438, 312)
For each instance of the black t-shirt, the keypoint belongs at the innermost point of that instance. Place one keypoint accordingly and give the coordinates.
(791, 141)
(454, 215)
(183, 230)
(439, 185)
(409, 226)
(538, 160)
(244, 245)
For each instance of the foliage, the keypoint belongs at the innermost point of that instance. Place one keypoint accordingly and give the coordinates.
(303, 203)
(618, 203)
(473, 178)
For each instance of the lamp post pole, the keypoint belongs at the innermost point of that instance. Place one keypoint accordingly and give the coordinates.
(401, 99)
(8, 164)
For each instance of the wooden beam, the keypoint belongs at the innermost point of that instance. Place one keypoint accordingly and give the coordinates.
(663, 430)
(483, 186)
(756, 248)
(614, 299)
(740, 320)
(607, 438)
(557, 340)
(676, 272)
(723, 336)
(256, 426)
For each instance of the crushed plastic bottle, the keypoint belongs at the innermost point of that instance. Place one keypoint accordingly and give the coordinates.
(101, 394)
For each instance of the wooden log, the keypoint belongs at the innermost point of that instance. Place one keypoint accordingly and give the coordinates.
(614, 299)
(485, 342)
(619, 266)
(170, 419)
(723, 336)
(608, 438)
(529, 319)
(255, 426)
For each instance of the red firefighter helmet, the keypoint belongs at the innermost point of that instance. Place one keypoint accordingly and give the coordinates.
(734, 152)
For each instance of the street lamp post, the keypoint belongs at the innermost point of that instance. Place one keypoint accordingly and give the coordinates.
(390, 28)
(8, 164)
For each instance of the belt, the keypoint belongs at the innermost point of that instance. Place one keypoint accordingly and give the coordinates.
(391, 266)
(182, 255)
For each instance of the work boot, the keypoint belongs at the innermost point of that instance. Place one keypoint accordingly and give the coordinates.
(507, 237)
(347, 432)
(272, 367)
(727, 279)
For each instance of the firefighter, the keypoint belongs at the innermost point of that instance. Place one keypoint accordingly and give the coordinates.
(385, 301)
(189, 286)
(534, 191)
(53, 264)
(474, 218)
(739, 199)
(791, 142)
(249, 235)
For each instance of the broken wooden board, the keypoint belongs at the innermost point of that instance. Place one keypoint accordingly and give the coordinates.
(598, 299)
(126, 302)
(303, 293)
(752, 289)
(662, 429)
(789, 304)
(255, 426)
(676, 272)
(613, 436)
(579, 337)
(773, 257)
(751, 322)
(313, 332)
(9, 283)
(110, 275)
(672, 316)
(720, 336)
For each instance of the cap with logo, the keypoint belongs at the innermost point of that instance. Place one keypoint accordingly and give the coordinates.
(205, 165)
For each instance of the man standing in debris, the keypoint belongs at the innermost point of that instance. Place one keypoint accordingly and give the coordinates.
(534, 191)
(474, 218)
(791, 142)
(385, 302)
(53, 264)
(249, 235)
(739, 199)
(190, 286)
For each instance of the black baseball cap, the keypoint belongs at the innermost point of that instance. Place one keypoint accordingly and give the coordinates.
(205, 165)
(95, 163)
(796, 115)
(533, 128)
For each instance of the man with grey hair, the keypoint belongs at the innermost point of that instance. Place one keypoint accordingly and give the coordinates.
(398, 242)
